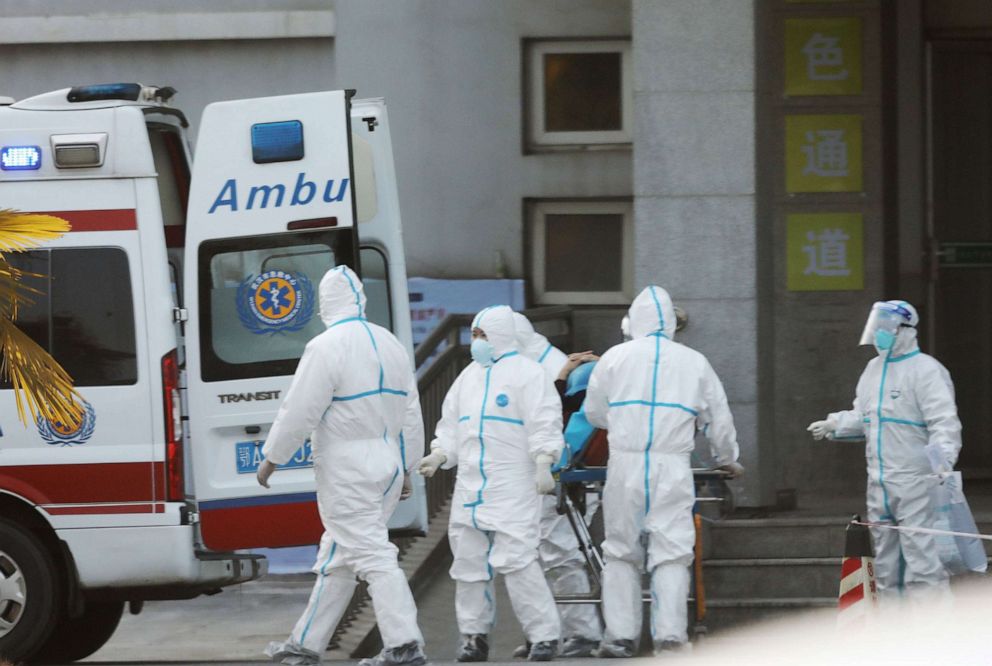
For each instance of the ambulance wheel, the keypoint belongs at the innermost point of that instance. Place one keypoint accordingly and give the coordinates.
(30, 595)
(78, 637)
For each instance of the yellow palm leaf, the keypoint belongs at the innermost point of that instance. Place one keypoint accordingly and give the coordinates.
(23, 231)
(37, 378)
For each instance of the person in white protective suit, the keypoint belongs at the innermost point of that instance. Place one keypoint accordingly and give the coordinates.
(354, 389)
(561, 560)
(904, 410)
(652, 394)
(501, 425)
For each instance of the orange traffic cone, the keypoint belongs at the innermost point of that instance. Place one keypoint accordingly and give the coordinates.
(857, 574)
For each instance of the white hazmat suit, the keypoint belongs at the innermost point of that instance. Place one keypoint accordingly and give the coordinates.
(652, 394)
(354, 389)
(495, 421)
(904, 402)
(560, 557)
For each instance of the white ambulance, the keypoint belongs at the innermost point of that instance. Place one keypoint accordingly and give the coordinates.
(180, 303)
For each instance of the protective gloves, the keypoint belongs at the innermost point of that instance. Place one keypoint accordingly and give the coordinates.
(407, 487)
(265, 470)
(733, 469)
(430, 463)
(545, 481)
(938, 462)
(821, 429)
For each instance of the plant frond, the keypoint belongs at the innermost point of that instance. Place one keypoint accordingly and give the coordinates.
(23, 231)
(37, 379)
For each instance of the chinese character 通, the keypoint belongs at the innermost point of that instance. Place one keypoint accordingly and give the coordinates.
(823, 57)
(826, 253)
(826, 154)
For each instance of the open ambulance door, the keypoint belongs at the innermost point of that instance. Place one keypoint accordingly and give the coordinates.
(271, 209)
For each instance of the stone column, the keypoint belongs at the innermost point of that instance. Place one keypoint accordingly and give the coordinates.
(694, 190)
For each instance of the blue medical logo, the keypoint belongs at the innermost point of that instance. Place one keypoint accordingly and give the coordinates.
(275, 302)
(502, 400)
(57, 433)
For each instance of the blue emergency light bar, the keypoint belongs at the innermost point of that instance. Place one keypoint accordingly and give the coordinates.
(277, 142)
(20, 158)
(105, 91)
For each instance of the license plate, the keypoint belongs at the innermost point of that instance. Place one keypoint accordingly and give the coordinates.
(248, 456)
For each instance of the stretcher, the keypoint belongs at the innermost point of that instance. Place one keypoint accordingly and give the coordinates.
(578, 481)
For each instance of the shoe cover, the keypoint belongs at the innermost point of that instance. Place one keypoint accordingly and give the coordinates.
(543, 651)
(578, 646)
(291, 653)
(618, 649)
(410, 654)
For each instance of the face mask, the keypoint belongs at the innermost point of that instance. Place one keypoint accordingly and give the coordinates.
(884, 340)
(482, 352)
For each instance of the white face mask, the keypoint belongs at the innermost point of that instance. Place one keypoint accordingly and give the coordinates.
(482, 352)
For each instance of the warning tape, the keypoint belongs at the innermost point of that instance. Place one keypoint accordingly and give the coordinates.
(924, 530)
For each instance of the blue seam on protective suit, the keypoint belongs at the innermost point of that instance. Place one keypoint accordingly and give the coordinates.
(463, 418)
(478, 318)
(545, 354)
(646, 403)
(911, 354)
(482, 449)
(358, 298)
(492, 538)
(391, 482)
(657, 305)
(316, 604)
(402, 450)
(658, 334)
(366, 394)
(506, 355)
(878, 446)
(918, 424)
(852, 438)
(647, 451)
(504, 419)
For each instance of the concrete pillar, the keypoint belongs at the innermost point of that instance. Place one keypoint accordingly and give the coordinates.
(694, 190)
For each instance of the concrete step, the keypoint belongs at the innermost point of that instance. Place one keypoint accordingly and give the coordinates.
(775, 538)
(724, 614)
(787, 578)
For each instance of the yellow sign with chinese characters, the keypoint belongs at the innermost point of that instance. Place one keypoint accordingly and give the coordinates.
(823, 153)
(823, 56)
(824, 252)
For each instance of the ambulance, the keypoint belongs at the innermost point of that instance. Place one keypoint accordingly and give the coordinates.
(180, 303)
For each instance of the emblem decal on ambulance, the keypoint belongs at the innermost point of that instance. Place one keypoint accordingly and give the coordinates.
(57, 433)
(275, 302)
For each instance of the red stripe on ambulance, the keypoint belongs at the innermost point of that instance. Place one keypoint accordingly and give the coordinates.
(121, 219)
(89, 483)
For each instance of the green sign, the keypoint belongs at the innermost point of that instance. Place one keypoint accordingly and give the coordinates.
(966, 255)
(824, 252)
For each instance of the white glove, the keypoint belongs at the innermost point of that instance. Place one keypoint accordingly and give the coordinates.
(821, 429)
(430, 463)
(733, 469)
(938, 463)
(545, 481)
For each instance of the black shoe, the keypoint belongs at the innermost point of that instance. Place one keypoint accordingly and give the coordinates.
(543, 651)
(474, 647)
(620, 649)
(522, 651)
(577, 647)
(408, 654)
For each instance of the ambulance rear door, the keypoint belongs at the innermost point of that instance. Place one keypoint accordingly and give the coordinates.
(271, 209)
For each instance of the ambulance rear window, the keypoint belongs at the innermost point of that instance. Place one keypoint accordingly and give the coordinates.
(258, 300)
(84, 316)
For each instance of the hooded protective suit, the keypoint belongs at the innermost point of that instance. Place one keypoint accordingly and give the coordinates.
(903, 402)
(354, 389)
(536, 347)
(561, 560)
(652, 394)
(495, 421)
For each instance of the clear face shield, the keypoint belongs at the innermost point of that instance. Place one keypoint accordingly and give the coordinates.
(882, 326)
